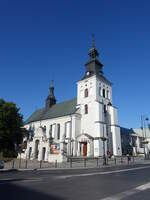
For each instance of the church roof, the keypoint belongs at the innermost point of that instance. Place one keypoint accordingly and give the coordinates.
(57, 110)
(126, 131)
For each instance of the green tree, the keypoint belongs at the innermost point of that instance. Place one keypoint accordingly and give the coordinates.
(11, 133)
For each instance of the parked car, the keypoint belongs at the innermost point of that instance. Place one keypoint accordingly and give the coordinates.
(1, 164)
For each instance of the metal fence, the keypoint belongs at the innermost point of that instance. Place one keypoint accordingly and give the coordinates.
(82, 162)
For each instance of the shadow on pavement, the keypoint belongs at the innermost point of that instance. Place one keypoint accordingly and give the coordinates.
(14, 192)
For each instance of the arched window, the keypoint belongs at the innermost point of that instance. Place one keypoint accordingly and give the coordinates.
(104, 93)
(86, 109)
(58, 131)
(44, 129)
(86, 92)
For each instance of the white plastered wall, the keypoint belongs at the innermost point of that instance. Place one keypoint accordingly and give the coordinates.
(115, 131)
(44, 142)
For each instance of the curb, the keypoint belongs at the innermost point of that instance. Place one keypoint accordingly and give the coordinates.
(8, 170)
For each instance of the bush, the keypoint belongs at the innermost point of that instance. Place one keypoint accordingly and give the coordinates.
(9, 153)
(1, 155)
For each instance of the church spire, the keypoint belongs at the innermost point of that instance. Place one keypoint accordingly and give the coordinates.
(50, 100)
(93, 66)
(51, 89)
(93, 53)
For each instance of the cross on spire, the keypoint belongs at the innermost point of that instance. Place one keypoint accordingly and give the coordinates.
(93, 40)
(52, 84)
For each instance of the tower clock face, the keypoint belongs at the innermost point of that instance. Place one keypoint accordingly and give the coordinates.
(87, 73)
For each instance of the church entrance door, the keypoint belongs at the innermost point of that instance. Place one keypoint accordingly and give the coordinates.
(85, 149)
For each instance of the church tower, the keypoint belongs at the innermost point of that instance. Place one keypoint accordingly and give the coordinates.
(50, 100)
(98, 116)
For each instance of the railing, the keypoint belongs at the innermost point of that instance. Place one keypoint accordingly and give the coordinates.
(73, 162)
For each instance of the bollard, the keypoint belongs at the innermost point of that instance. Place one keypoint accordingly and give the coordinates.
(133, 159)
(20, 162)
(106, 160)
(56, 164)
(70, 162)
(97, 162)
(40, 164)
(13, 163)
(115, 161)
(128, 158)
(121, 160)
(26, 164)
(84, 162)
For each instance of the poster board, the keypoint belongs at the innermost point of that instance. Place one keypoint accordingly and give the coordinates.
(55, 148)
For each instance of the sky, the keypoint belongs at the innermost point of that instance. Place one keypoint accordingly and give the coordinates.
(49, 40)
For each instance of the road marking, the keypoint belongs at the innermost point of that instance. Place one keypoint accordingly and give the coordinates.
(30, 180)
(102, 173)
(128, 193)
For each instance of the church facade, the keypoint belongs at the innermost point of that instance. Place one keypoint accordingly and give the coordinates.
(84, 126)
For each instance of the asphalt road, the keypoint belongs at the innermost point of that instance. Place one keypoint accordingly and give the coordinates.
(123, 182)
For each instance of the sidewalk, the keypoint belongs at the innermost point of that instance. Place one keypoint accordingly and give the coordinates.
(26, 165)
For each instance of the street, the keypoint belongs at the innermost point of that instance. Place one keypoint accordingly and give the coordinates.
(110, 183)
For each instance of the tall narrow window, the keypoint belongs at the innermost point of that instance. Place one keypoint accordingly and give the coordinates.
(100, 91)
(104, 93)
(86, 109)
(44, 130)
(58, 131)
(108, 94)
(86, 92)
(105, 109)
(50, 131)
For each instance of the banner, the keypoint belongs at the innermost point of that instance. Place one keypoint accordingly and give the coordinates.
(55, 148)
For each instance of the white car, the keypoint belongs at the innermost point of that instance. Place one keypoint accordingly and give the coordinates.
(1, 164)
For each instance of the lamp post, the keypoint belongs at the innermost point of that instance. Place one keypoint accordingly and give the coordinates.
(143, 128)
(146, 142)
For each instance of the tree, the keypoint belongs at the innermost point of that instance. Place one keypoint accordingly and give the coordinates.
(11, 134)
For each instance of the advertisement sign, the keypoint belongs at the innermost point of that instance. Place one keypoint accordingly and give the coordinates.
(55, 148)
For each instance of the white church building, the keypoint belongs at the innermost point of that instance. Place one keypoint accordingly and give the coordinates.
(86, 126)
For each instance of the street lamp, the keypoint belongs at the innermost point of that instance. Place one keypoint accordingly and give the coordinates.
(143, 128)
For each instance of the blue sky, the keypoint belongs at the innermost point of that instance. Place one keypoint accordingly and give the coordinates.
(45, 40)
